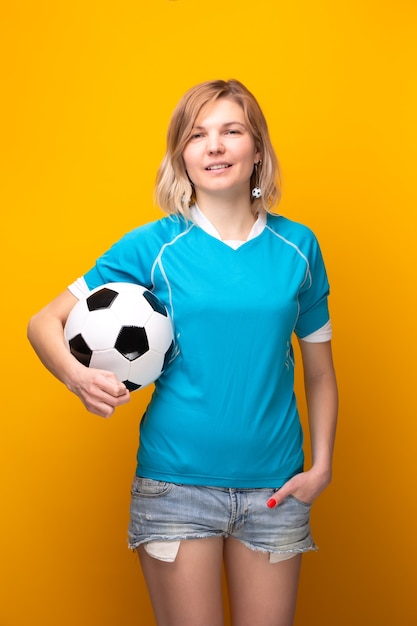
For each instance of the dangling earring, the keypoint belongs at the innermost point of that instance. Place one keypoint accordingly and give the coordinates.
(257, 191)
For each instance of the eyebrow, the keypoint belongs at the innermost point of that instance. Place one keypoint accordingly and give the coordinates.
(223, 125)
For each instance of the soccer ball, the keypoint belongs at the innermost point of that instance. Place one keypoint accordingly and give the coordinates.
(123, 328)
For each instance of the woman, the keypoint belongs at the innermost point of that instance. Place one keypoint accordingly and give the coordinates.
(220, 476)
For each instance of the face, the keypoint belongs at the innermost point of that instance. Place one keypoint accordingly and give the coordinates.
(220, 156)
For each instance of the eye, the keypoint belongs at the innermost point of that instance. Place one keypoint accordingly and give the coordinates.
(196, 135)
(233, 131)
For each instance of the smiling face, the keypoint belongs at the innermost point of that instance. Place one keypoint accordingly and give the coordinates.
(221, 153)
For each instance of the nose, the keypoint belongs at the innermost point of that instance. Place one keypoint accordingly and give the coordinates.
(214, 144)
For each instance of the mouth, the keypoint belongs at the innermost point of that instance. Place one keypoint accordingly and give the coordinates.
(218, 166)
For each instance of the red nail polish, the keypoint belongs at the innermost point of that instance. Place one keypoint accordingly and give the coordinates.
(271, 503)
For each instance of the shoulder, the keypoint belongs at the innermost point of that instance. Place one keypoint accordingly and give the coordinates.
(154, 235)
(294, 233)
(165, 228)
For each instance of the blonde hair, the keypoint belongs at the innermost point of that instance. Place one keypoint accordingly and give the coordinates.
(173, 190)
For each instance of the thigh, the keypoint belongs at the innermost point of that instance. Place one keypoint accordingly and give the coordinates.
(260, 592)
(187, 592)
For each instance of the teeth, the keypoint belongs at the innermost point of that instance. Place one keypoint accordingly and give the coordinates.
(217, 167)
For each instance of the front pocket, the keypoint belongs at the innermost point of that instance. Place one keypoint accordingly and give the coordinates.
(308, 505)
(149, 488)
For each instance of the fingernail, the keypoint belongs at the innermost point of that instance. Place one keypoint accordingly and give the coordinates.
(271, 503)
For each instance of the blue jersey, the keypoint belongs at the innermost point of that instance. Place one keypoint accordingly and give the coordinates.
(224, 412)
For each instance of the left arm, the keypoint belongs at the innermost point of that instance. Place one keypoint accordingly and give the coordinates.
(322, 402)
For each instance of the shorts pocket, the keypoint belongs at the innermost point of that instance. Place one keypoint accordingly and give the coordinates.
(308, 505)
(149, 488)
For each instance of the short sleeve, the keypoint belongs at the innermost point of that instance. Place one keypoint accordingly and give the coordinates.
(128, 260)
(313, 295)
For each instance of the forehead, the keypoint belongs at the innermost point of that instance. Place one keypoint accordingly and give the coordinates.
(221, 111)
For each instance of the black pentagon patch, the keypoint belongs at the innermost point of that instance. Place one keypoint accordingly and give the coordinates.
(168, 356)
(132, 342)
(155, 303)
(80, 350)
(130, 386)
(101, 299)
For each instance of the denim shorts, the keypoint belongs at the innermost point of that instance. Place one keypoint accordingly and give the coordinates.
(163, 511)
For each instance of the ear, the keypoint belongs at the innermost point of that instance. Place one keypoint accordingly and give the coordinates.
(258, 155)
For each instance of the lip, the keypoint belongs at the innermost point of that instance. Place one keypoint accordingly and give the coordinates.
(218, 167)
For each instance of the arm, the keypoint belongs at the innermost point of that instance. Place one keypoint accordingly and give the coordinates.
(100, 391)
(322, 402)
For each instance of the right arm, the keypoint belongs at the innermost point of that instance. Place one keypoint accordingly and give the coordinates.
(99, 390)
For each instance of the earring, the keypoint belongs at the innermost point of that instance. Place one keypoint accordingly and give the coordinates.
(257, 191)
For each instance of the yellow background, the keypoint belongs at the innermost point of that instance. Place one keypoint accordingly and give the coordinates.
(87, 91)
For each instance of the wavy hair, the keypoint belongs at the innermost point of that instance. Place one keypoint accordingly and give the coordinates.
(174, 192)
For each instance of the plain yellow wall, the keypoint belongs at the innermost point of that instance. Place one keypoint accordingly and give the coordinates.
(87, 91)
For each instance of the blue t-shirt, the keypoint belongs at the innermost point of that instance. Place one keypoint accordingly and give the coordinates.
(224, 412)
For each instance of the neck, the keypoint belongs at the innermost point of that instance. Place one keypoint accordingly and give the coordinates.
(233, 219)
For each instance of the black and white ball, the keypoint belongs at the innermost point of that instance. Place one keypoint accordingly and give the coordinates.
(123, 328)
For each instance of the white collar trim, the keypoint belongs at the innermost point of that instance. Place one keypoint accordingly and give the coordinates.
(204, 223)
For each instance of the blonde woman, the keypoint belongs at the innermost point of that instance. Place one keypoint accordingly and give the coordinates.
(220, 468)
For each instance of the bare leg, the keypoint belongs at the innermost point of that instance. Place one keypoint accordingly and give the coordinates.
(187, 592)
(260, 593)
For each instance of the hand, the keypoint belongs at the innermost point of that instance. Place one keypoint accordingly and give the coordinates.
(306, 487)
(100, 391)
